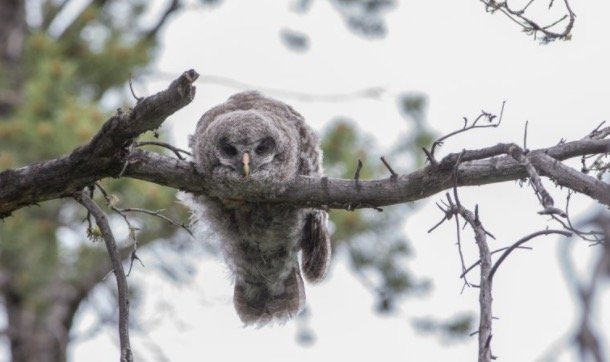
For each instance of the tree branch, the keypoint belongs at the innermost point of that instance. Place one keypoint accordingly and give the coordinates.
(571, 178)
(60, 177)
(104, 156)
(109, 154)
(521, 241)
(531, 26)
(119, 272)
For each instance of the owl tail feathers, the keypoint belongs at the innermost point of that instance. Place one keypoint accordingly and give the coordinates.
(256, 304)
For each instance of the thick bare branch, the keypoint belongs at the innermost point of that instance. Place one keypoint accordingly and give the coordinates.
(339, 193)
(22, 186)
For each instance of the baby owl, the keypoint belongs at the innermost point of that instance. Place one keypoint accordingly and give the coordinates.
(257, 143)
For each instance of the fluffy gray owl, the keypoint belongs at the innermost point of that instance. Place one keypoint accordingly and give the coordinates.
(253, 142)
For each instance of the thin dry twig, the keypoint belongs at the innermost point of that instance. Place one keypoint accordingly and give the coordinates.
(111, 202)
(525, 150)
(595, 237)
(357, 174)
(457, 221)
(466, 127)
(177, 151)
(522, 241)
(387, 165)
(133, 93)
(158, 213)
(474, 265)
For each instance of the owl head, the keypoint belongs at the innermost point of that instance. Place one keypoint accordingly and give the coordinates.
(247, 141)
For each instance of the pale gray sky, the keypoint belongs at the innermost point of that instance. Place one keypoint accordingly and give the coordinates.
(465, 60)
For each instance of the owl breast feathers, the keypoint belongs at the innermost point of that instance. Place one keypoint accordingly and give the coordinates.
(253, 142)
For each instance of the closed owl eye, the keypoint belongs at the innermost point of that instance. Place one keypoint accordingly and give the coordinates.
(227, 149)
(265, 146)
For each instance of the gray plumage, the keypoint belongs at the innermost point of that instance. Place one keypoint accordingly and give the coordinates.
(259, 143)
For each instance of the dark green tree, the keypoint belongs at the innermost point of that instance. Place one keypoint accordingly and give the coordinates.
(53, 75)
(55, 72)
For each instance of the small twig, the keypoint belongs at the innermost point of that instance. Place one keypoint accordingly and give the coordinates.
(387, 165)
(133, 93)
(125, 164)
(457, 221)
(357, 174)
(525, 150)
(490, 118)
(596, 130)
(521, 241)
(134, 256)
(430, 157)
(177, 151)
(530, 26)
(117, 266)
(459, 244)
(594, 236)
(455, 179)
(555, 22)
(492, 253)
(501, 112)
(526, 6)
(158, 214)
(111, 203)
(448, 215)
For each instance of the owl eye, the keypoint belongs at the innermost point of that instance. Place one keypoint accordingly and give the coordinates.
(265, 146)
(227, 148)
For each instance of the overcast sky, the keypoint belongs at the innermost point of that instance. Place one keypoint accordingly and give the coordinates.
(464, 60)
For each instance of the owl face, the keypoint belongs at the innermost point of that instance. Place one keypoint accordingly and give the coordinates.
(247, 146)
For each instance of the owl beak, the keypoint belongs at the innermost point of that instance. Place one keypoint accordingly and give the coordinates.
(245, 160)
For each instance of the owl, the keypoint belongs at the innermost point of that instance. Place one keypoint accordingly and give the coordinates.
(255, 143)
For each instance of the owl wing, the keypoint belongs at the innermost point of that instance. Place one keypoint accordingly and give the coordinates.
(315, 246)
(315, 239)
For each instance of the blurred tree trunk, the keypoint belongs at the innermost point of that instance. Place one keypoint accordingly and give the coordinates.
(13, 29)
(43, 281)
(38, 337)
(27, 330)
